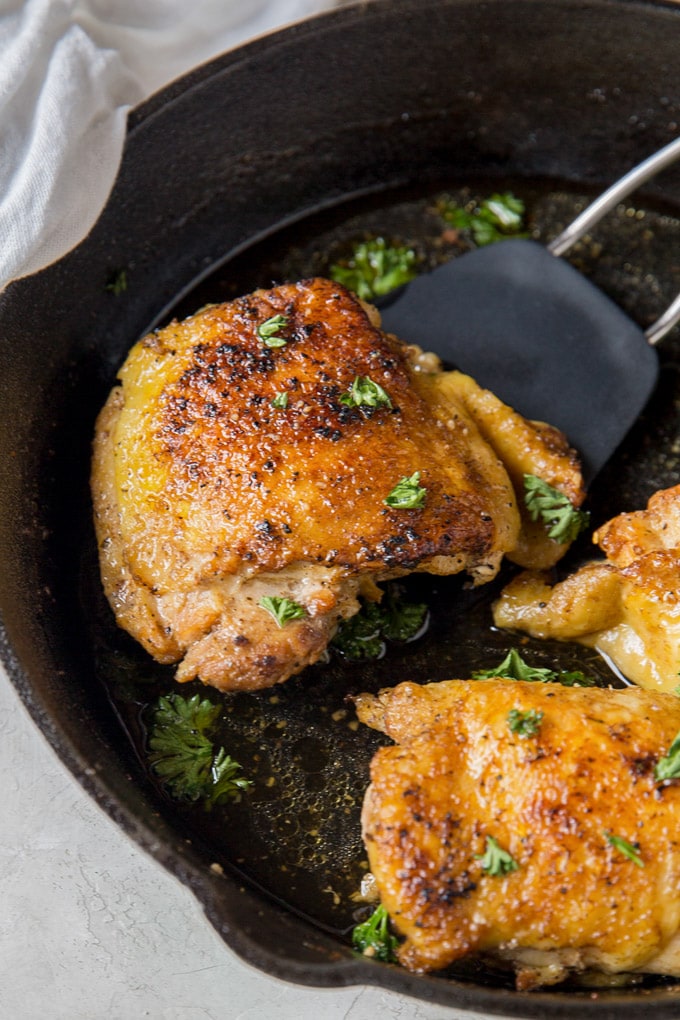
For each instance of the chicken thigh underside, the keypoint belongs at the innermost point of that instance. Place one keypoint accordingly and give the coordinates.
(590, 879)
(235, 462)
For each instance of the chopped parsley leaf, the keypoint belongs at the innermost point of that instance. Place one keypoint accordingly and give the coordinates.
(373, 937)
(525, 724)
(183, 755)
(407, 494)
(375, 268)
(280, 401)
(269, 331)
(282, 609)
(225, 779)
(495, 860)
(363, 635)
(574, 678)
(401, 620)
(547, 504)
(629, 850)
(668, 767)
(513, 667)
(360, 637)
(493, 219)
(118, 282)
(365, 393)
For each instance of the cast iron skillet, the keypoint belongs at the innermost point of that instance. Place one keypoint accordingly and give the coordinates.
(368, 99)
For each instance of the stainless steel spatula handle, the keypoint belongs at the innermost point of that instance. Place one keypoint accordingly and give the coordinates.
(593, 213)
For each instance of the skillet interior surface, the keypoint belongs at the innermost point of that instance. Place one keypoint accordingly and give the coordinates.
(230, 182)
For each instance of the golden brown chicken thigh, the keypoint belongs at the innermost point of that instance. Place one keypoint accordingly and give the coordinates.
(233, 464)
(628, 607)
(554, 849)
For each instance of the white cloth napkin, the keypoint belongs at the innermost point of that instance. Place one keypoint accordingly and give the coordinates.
(70, 70)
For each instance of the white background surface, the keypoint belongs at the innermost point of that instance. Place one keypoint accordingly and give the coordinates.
(91, 928)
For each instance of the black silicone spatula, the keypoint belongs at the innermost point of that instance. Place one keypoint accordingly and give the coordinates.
(527, 325)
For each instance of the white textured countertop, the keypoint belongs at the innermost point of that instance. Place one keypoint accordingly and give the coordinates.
(91, 928)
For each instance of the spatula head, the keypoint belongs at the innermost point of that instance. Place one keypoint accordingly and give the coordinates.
(528, 326)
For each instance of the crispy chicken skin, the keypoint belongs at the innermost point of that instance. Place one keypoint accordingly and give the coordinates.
(208, 497)
(524, 447)
(628, 607)
(458, 775)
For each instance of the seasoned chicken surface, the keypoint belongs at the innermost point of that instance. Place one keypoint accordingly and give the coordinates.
(627, 607)
(591, 879)
(232, 465)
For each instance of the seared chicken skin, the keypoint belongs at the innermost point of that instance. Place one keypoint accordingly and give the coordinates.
(232, 464)
(556, 850)
(627, 607)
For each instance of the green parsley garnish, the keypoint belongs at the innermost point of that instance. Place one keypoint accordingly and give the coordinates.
(513, 667)
(373, 937)
(546, 503)
(365, 393)
(401, 620)
(668, 767)
(525, 724)
(629, 850)
(363, 636)
(494, 219)
(495, 860)
(407, 494)
(118, 282)
(269, 330)
(282, 609)
(183, 755)
(280, 400)
(375, 268)
(226, 783)
(360, 637)
(573, 678)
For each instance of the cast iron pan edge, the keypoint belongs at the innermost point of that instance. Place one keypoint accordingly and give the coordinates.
(63, 337)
